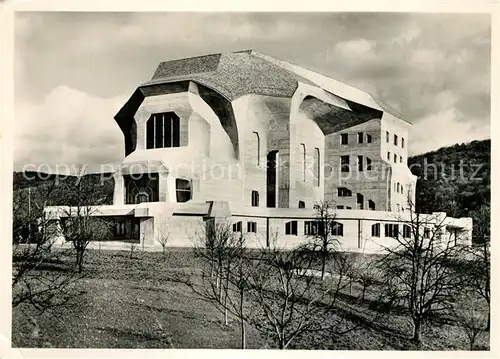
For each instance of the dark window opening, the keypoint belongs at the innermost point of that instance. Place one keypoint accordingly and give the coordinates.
(252, 227)
(344, 163)
(163, 130)
(371, 205)
(406, 231)
(143, 189)
(391, 230)
(344, 139)
(402, 142)
(360, 163)
(237, 227)
(344, 192)
(255, 199)
(387, 136)
(337, 229)
(302, 204)
(376, 230)
(388, 156)
(368, 138)
(340, 207)
(360, 137)
(368, 164)
(313, 228)
(395, 140)
(359, 200)
(182, 190)
(291, 228)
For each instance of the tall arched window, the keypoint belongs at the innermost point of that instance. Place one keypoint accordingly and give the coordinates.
(303, 161)
(256, 149)
(163, 130)
(316, 167)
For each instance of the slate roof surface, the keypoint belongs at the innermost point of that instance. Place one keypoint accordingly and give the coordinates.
(239, 73)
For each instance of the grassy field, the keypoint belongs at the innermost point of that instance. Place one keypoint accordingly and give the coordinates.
(131, 303)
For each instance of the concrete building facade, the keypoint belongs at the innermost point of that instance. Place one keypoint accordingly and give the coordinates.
(258, 141)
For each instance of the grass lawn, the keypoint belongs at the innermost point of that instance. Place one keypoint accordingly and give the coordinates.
(130, 303)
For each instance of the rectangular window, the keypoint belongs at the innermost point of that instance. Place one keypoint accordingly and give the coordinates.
(387, 136)
(313, 228)
(397, 187)
(400, 159)
(395, 140)
(391, 230)
(368, 138)
(291, 228)
(344, 139)
(388, 156)
(395, 158)
(340, 207)
(237, 227)
(360, 163)
(348, 207)
(163, 130)
(368, 164)
(402, 189)
(406, 231)
(427, 233)
(255, 199)
(150, 133)
(337, 229)
(360, 137)
(252, 227)
(344, 163)
(376, 230)
(143, 189)
(183, 190)
(402, 142)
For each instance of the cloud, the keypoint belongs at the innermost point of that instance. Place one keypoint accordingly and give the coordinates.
(444, 129)
(355, 48)
(68, 127)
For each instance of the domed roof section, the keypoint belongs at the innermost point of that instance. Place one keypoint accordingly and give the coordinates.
(232, 74)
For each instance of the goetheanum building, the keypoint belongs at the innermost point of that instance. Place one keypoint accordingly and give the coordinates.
(258, 141)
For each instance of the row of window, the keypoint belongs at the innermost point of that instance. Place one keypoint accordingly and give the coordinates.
(395, 157)
(362, 164)
(398, 188)
(146, 189)
(345, 192)
(312, 228)
(344, 138)
(396, 142)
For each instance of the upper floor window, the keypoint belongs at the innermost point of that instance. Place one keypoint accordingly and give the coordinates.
(397, 187)
(340, 207)
(400, 159)
(388, 156)
(256, 148)
(395, 158)
(255, 199)
(344, 139)
(371, 205)
(163, 130)
(368, 164)
(316, 168)
(302, 204)
(387, 136)
(395, 140)
(427, 233)
(303, 161)
(183, 190)
(402, 142)
(344, 192)
(402, 189)
(368, 138)
(344, 163)
(360, 137)
(360, 163)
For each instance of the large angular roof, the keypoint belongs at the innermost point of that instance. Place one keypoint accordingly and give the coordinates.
(239, 73)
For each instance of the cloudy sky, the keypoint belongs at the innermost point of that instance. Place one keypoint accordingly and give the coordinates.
(73, 71)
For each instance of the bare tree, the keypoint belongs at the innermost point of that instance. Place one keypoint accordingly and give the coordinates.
(34, 280)
(289, 301)
(321, 238)
(418, 267)
(82, 223)
(223, 270)
(163, 236)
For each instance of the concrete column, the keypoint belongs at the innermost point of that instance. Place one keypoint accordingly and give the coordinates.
(147, 235)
